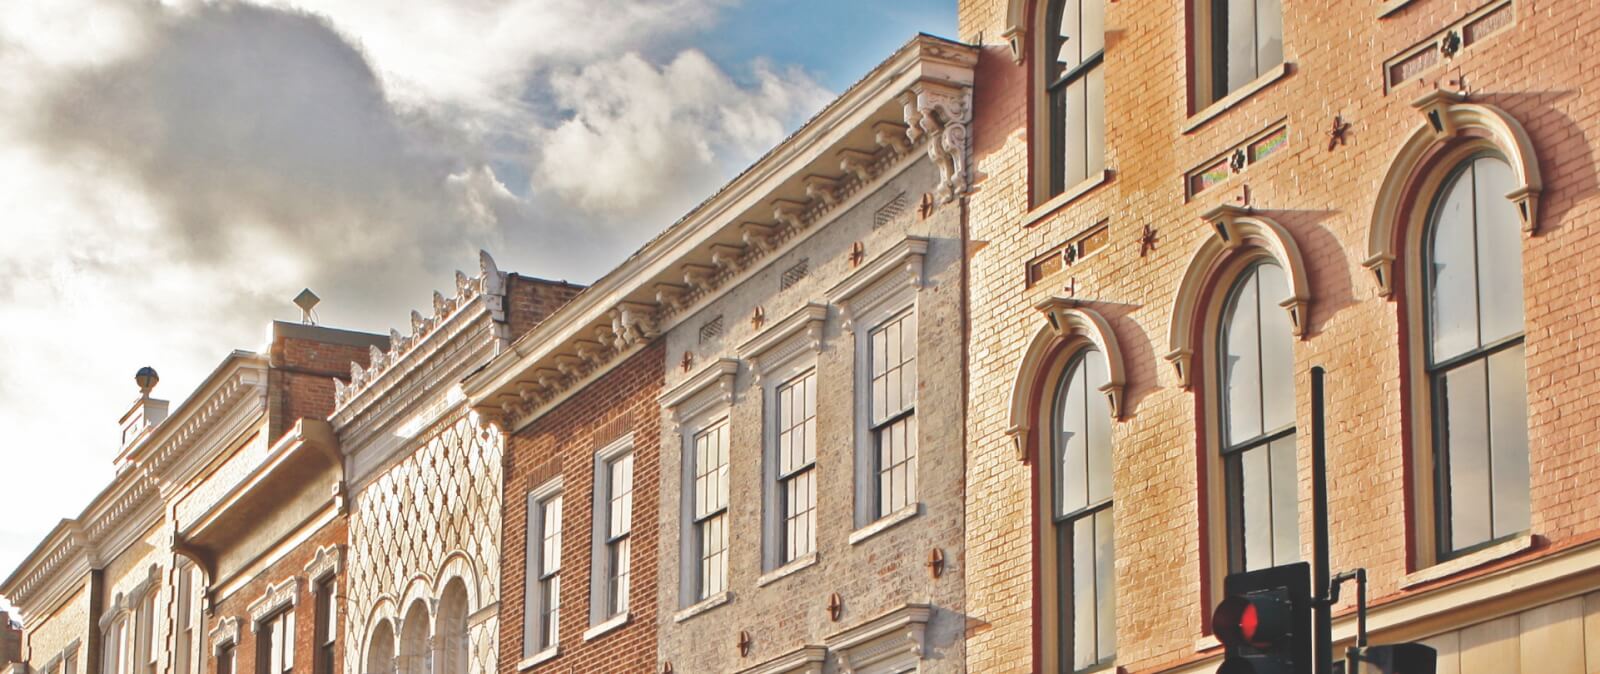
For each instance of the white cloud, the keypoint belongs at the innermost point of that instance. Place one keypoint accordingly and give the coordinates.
(171, 174)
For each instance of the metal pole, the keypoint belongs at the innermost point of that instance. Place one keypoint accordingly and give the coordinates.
(1321, 566)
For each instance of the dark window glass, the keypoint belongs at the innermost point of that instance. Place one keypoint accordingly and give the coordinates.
(327, 630)
(1476, 368)
(1081, 450)
(1246, 41)
(1258, 443)
(1075, 47)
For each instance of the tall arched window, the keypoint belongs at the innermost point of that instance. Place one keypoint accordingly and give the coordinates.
(1475, 363)
(1074, 88)
(453, 646)
(1256, 363)
(380, 649)
(1080, 443)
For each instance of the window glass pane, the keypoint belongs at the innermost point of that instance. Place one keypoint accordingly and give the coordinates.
(1241, 375)
(1499, 250)
(1241, 47)
(1083, 592)
(1466, 433)
(1098, 417)
(1256, 486)
(1073, 440)
(1105, 585)
(1095, 129)
(1269, 34)
(1453, 299)
(1508, 423)
(1092, 37)
(1285, 502)
(1075, 163)
(1277, 350)
(1071, 51)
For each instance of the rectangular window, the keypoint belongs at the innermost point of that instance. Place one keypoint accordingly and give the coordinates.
(614, 523)
(1241, 40)
(275, 644)
(797, 462)
(1077, 86)
(541, 631)
(893, 412)
(184, 631)
(225, 659)
(710, 517)
(327, 626)
(71, 665)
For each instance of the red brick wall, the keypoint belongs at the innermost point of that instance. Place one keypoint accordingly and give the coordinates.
(529, 300)
(563, 442)
(1539, 71)
(292, 564)
(301, 379)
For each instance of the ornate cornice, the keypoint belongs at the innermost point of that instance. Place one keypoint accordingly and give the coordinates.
(800, 331)
(899, 632)
(710, 386)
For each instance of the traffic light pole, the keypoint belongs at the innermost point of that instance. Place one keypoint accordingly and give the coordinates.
(1321, 573)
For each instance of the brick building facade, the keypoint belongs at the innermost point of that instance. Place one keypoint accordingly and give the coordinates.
(1304, 167)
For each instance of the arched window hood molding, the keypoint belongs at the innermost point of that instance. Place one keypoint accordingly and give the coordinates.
(1065, 320)
(1233, 227)
(1448, 115)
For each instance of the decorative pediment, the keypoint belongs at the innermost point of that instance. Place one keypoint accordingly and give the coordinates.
(1232, 228)
(896, 269)
(276, 597)
(898, 635)
(799, 332)
(711, 386)
(1447, 117)
(225, 634)
(328, 560)
(802, 660)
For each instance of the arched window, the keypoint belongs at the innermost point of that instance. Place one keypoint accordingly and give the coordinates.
(1072, 93)
(416, 652)
(1257, 414)
(1080, 478)
(380, 649)
(453, 637)
(1477, 379)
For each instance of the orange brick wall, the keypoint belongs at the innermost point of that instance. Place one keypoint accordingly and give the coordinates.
(563, 442)
(529, 300)
(292, 564)
(1538, 71)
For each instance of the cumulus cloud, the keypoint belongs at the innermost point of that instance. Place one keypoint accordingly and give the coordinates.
(172, 172)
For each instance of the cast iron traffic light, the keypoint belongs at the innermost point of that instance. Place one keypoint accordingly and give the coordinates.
(1264, 621)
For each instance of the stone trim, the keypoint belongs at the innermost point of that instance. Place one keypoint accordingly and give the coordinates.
(876, 281)
(226, 633)
(803, 660)
(786, 339)
(710, 387)
(284, 594)
(898, 633)
(1232, 228)
(1448, 117)
(329, 559)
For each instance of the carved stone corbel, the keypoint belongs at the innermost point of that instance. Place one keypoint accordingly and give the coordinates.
(671, 295)
(824, 188)
(857, 162)
(1016, 37)
(725, 256)
(763, 238)
(570, 366)
(941, 112)
(788, 213)
(891, 135)
(633, 323)
(699, 276)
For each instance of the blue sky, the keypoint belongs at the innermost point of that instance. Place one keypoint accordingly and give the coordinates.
(166, 194)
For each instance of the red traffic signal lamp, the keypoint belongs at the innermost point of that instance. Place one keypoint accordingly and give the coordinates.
(1264, 621)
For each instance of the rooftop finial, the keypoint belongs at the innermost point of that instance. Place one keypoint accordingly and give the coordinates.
(307, 301)
(146, 377)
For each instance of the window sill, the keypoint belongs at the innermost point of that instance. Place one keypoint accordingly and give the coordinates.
(1206, 643)
(1060, 201)
(1236, 97)
(611, 624)
(1493, 553)
(539, 658)
(885, 523)
(1388, 7)
(702, 606)
(789, 569)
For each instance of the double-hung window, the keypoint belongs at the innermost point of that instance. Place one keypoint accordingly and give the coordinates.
(542, 599)
(1258, 414)
(1075, 83)
(1236, 42)
(797, 463)
(710, 517)
(613, 519)
(225, 658)
(893, 418)
(275, 643)
(327, 625)
(1085, 597)
(1475, 359)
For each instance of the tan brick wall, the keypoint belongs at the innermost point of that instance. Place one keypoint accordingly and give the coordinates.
(563, 442)
(1537, 71)
(291, 565)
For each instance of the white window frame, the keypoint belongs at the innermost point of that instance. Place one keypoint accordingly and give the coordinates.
(281, 646)
(601, 619)
(696, 405)
(779, 355)
(878, 291)
(534, 602)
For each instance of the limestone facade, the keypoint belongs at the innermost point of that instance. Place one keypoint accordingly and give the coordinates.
(1324, 165)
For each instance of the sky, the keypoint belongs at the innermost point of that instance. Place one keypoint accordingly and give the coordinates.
(173, 172)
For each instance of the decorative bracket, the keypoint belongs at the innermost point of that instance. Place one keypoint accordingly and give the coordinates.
(857, 162)
(941, 111)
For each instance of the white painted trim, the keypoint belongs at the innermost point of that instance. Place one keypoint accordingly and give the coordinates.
(613, 623)
(1054, 204)
(806, 659)
(1469, 561)
(534, 660)
(702, 606)
(799, 564)
(1236, 96)
(885, 523)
